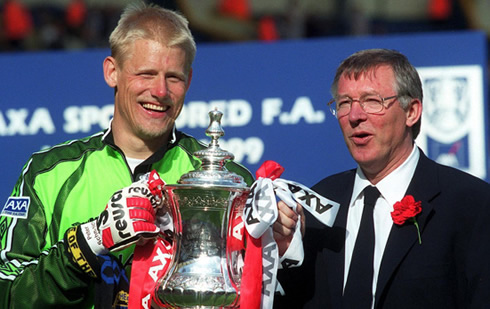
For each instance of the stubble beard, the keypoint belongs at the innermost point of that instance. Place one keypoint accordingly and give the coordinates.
(154, 133)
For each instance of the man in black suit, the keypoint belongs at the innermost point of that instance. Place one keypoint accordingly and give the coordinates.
(439, 256)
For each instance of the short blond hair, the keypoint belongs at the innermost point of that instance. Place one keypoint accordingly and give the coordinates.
(142, 21)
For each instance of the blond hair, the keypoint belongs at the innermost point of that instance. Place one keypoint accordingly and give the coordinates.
(142, 21)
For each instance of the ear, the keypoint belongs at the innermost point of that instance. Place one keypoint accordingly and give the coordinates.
(110, 72)
(414, 112)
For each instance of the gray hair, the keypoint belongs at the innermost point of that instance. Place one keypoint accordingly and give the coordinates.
(407, 81)
(142, 21)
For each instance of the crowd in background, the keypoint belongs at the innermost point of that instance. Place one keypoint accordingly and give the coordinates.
(76, 24)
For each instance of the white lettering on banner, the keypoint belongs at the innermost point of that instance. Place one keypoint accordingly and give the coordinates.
(82, 118)
(271, 108)
(194, 115)
(18, 123)
(236, 113)
(252, 148)
(302, 109)
(41, 119)
(239, 113)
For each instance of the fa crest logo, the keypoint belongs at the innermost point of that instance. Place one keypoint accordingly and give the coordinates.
(453, 130)
(447, 103)
(16, 207)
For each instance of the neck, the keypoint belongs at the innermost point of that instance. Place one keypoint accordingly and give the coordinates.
(136, 147)
(376, 173)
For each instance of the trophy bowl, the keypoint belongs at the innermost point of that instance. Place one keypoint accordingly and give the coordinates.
(206, 207)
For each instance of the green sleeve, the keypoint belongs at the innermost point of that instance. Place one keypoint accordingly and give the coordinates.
(33, 273)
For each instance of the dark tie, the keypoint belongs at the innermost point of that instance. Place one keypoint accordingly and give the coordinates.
(358, 290)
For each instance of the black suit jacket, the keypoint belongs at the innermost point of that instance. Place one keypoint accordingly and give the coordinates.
(450, 269)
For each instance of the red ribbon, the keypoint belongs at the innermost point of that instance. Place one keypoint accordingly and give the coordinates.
(251, 286)
(150, 263)
(269, 169)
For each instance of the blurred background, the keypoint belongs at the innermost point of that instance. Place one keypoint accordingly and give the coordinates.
(77, 24)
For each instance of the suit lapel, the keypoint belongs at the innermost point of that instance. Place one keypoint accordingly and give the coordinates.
(423, 187)
(336, 259)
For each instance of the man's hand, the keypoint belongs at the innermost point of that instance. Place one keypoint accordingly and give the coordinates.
(128, 217)
(285, 225)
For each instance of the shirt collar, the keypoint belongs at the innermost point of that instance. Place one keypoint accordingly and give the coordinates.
(173, 136)
(109, 138)
(394, 186)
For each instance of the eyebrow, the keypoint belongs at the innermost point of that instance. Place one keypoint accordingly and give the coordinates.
(362, 94)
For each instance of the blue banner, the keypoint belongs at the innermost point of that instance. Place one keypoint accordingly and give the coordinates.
(273, 96)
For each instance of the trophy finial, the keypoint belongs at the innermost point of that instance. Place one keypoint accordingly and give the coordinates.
(213, 157)
(215, 130)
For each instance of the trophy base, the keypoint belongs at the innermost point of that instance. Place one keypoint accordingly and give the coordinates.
(187, 291)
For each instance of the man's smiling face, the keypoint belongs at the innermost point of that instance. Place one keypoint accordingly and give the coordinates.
(150, 86)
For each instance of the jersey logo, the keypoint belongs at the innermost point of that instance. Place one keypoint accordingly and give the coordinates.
(16, 207)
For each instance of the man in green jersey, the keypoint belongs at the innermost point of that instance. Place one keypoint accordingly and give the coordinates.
(51, 236)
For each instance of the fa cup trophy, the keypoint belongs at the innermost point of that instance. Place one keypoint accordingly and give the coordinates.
(206, 206)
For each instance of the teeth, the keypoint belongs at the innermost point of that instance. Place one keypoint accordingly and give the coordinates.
(158, 108)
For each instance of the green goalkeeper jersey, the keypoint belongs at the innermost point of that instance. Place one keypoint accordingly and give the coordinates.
(62, 186)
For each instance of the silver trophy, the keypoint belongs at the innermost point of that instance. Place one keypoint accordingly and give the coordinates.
(206, 205)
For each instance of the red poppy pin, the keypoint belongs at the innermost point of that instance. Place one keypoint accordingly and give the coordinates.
(406, 210)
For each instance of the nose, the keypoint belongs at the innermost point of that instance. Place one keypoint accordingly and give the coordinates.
(159, 87)
(356, 112)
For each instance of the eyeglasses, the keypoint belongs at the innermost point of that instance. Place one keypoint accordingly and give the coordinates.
(370, 103)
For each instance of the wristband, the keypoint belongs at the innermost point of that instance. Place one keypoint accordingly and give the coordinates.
(74, 244)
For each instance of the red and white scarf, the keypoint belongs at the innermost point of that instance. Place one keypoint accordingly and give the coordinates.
(259, 281)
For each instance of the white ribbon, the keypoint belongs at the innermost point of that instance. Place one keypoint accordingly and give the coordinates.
(261, 212)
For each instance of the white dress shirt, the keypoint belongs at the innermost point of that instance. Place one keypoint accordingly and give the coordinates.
(392, 188)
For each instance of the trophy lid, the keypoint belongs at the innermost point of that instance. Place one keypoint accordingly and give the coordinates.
(213, 158)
